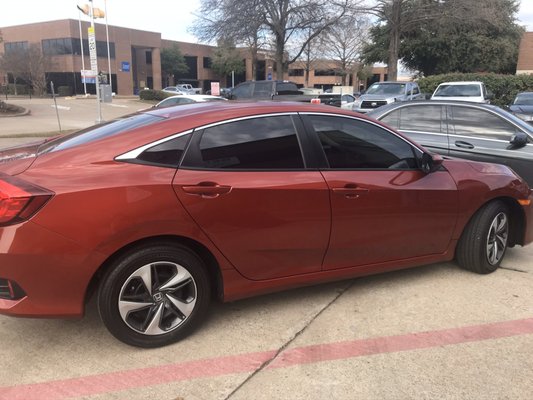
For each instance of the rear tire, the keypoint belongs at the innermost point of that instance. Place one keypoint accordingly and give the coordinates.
(154, 295)
(485, 239)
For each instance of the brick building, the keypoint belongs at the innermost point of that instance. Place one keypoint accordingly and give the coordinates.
(525, 55)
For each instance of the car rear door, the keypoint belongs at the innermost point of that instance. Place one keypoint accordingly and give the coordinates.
(247, 185)
(482, 135)
(383, 207)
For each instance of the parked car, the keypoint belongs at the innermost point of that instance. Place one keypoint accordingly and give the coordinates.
(269, 90)
(345, 101)
(187, 99)
(468, 130)
(187, 88)
(383, 93)
(173, 89)
(522, 106)
(462, 91)
(161, 210)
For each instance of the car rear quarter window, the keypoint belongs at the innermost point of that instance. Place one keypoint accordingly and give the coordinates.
(475, 122)
(98, 132)
(166, 154)
(266, 143)
(355, 144)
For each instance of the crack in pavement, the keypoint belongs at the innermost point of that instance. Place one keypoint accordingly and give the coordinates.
(291, 340)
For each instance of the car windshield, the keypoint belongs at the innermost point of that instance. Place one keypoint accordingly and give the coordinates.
(525, 99)
(99, 131)
(458, 91)
(386, 88)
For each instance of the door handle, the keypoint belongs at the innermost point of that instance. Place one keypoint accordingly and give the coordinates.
(464, 145)
(350, 191)
(207, 189)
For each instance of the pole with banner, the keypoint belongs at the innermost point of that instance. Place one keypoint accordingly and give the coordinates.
(94, 62)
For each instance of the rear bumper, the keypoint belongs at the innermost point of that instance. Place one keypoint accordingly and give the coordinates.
(53, 272)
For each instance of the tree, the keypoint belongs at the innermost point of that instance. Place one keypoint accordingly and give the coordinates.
(281, 20)
(227, 59)
(172, 63)
(403, 19)
(29, 64)
(344, 43)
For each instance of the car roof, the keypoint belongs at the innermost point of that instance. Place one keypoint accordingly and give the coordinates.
(191, 96)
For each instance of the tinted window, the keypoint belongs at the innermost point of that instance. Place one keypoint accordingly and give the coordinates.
(259, 143)
(100, 131)
(475, 122)
(263, 89)
(242, 91)
(166, 154)
(354, 144)
(422, 119)
(458, 90)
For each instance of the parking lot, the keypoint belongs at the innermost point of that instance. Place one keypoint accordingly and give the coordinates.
(435, 332)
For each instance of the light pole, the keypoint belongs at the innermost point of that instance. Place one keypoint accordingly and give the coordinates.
(108, 53)
(94, 62)
(82, 53)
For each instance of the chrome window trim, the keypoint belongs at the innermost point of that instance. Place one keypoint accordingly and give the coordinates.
(133, 154)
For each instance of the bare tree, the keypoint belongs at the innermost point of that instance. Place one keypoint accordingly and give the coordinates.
(282, 20)
(29, 64)
(344, 41)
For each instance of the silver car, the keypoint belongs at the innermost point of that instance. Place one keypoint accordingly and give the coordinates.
(473, 131)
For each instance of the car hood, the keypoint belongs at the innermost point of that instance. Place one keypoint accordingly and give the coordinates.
(15, 160)
(376, 97)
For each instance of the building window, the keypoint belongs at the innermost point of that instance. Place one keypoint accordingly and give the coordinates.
(296, 72)
(207, 62)
(68, 46)
(325, 72)
(149, 57)
(15, 46)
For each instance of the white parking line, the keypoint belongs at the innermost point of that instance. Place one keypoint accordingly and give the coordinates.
(60, 107)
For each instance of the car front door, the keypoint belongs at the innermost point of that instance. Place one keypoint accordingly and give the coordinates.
(246, 185)
(481, 135)
(424, 123)
(383, 207)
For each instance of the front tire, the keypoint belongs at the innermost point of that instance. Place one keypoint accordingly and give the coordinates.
(155, 295)
(485, 239)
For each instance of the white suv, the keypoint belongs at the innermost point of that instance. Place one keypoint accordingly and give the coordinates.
(475, 92)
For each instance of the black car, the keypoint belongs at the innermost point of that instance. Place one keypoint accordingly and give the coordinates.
(522, 106)
(474, 131)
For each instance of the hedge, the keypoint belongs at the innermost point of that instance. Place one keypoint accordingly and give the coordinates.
(503, 87)
(149, 94)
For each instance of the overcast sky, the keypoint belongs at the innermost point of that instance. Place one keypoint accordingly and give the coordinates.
(170, 17)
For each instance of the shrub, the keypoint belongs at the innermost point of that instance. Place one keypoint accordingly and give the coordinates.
(149, 94)
(21, 89)
(503, 87)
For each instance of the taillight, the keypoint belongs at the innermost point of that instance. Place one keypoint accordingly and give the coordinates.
(20, 200)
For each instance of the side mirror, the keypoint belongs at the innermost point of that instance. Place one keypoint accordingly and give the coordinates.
(430, 162)
(519, 139)
(427, 96)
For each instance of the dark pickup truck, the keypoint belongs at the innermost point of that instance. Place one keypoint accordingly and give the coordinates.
(269, 90)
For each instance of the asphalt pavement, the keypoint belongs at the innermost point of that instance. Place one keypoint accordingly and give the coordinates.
(433, 332)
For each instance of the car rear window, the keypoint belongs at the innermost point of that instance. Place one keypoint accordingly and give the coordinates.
(97, 132)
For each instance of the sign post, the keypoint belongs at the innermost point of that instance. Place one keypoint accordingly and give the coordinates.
(94, 63)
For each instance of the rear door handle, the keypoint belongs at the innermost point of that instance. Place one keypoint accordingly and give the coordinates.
(207, 189)
(464, 145)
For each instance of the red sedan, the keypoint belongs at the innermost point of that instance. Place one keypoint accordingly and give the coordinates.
(160, 211)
